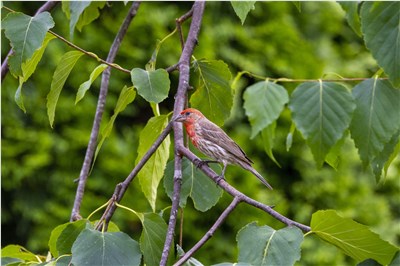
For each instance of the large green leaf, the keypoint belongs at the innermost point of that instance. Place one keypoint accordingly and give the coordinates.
(195, 184)
(351, 8)
(262, 245)
(126, 96)
(151, 174)
(381, 28)
(322, 112)
(86, 85)
(63, 236)
(152, 85)
(152, 238)
(26, 35)
(90, 14)
(97, 248)
(264, 102)
(354, 239)
(242, 8)
(376, 118)
(213, 95)
(61, 74)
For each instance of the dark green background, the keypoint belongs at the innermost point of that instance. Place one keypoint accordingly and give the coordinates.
(39, 164)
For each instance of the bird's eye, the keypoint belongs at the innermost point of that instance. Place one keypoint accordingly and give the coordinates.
(187, 113)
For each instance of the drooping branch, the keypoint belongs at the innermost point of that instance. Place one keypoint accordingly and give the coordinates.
(180, 99)
(46, 7)
(99, 112)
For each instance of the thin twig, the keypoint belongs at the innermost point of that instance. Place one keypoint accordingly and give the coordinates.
(180, 99)
(210, 232)
(46, 7)
(99, 112)
(119, 193)
(179, 22)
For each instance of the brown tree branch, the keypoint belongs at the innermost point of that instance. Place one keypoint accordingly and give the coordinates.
(99, 112)
(180, 100)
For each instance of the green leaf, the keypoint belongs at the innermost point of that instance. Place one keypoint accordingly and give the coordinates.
(18, 252)
(61, 74)
(28, 68)
(381, 28)
(264, 102)
(242, 8)
(195, 184)
(352, 16)
(262, 245)
(126, 96)
(76, 8)
(297, 5)
(213, 95)
(90, 14)
(380, 160)
(373, 123)
(153, 86)
(150, 175)
(152, 238)
(289, 138)
(63, 236)
(332, 158)
(395, 153)
(322, 112)
(26, 35)
(268, 135)
(86, 85)
(354, 239)
(96, 248)
(19, 99)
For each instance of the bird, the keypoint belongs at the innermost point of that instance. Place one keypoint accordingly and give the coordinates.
(213, 142)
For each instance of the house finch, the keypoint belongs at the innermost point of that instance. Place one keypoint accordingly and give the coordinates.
(211, 140)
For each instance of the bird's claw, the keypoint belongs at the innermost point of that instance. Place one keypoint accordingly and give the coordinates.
(199, 163)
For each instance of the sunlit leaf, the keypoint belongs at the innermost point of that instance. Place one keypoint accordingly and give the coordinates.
(18, 252)
(381, 28)
(195, 184)
(213, 95)
(262, 245)
(373, 123)
(322, 112)
(90, 14)
(354, 239)
(242, 8)
(93, 247)
(26, 35)
(86, 85)
(76, 8)
(153, 86)
(264, 102)
(60, 75)
(152, 172)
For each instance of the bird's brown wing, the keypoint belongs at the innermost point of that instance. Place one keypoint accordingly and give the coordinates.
(214, 133)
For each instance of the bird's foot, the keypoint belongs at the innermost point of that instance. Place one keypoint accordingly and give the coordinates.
(199, 163)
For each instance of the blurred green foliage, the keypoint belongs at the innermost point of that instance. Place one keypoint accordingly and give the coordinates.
(39, 164)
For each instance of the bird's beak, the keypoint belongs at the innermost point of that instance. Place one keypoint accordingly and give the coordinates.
(179, 118)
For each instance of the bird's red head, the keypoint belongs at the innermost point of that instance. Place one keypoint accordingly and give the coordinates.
(189, 116)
